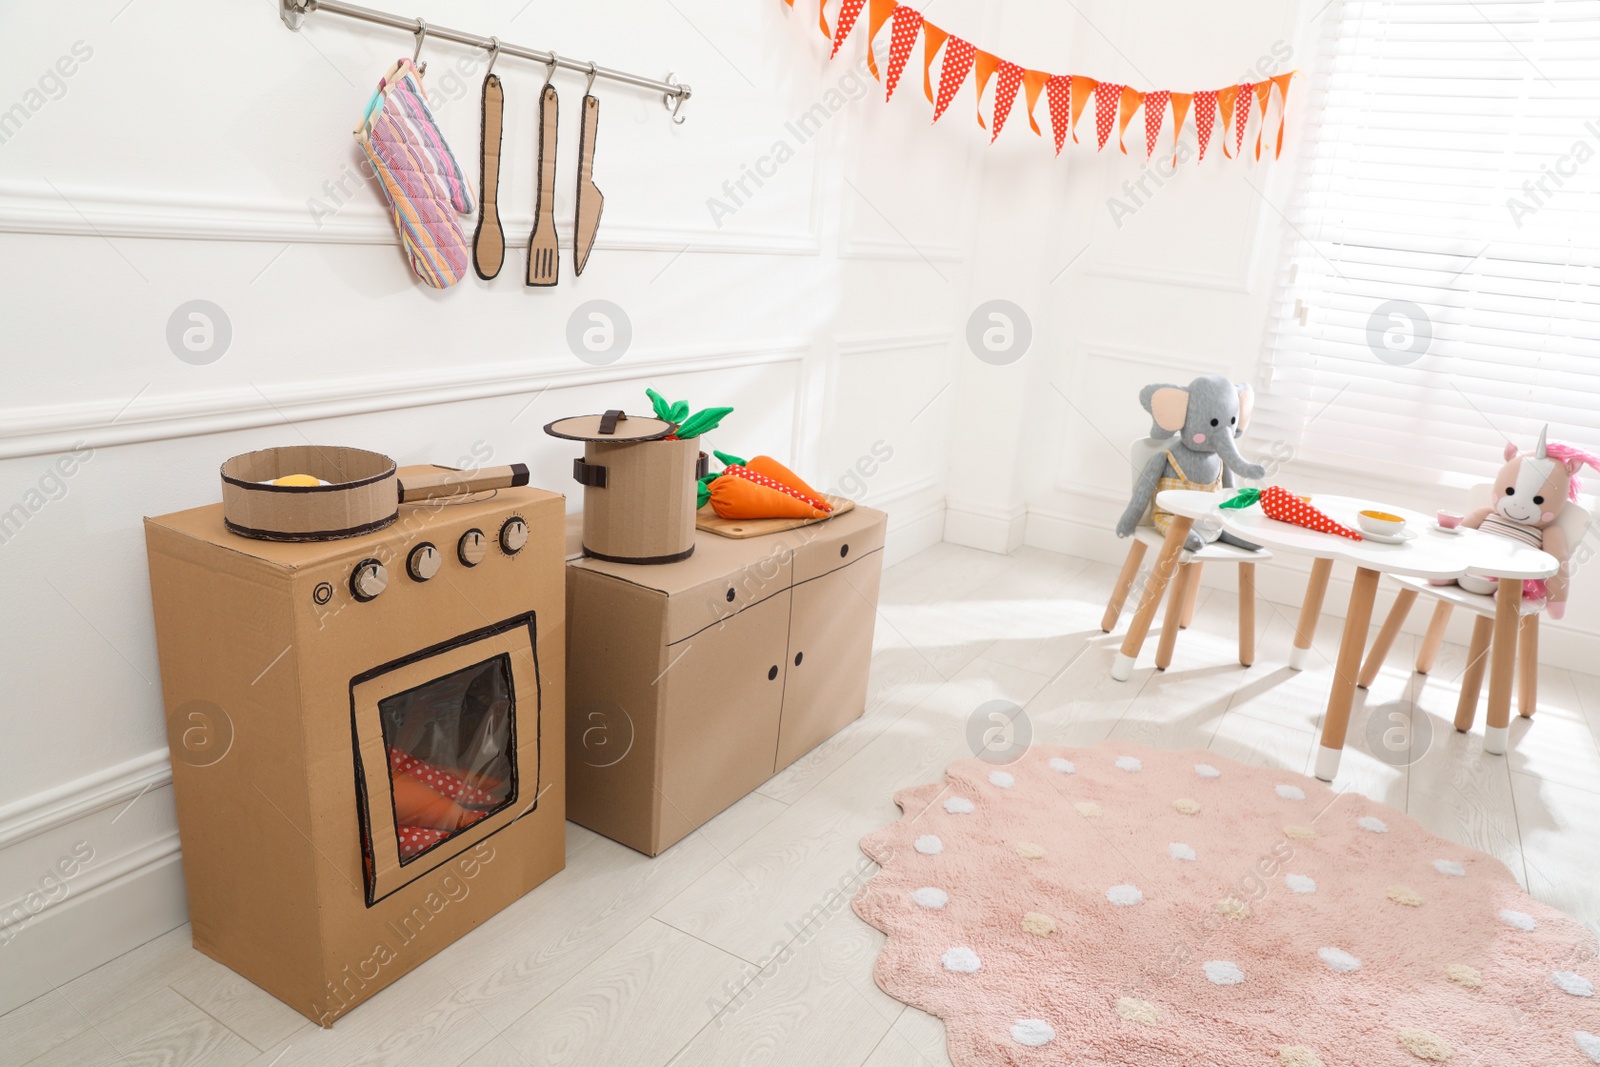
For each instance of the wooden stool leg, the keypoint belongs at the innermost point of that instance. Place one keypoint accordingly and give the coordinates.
(1192, 597)
(1502, 664)
(1472, 680)
(1247, 613)
(1391, 629)
(1342, 697)
(1119, 592)
(1528, 666)
(1434, 637)
(1310, 613)
(1160, 574)
(1175, 604)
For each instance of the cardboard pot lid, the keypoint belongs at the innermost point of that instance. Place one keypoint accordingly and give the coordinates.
(627, 428)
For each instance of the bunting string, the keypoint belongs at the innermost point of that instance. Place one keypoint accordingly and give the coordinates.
(1065, 95)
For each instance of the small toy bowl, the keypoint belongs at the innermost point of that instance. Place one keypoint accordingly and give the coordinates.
(1380, 522)
(357, 493)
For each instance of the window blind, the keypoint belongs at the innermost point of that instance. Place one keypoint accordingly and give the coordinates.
(1439, 289)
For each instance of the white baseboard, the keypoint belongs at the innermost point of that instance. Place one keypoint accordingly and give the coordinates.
(110, 908)
(981, 526)
(913, 533)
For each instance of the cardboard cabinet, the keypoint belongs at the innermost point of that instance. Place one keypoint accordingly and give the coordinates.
(691, 683)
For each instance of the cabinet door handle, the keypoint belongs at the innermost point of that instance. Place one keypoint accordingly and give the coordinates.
(798, 656)
(772, 675)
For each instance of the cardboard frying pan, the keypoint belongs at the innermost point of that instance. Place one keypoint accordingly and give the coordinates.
(355, 492)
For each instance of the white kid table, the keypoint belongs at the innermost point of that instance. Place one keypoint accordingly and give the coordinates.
(1431, 554)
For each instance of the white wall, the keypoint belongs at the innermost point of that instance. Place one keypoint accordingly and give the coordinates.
(203, 151)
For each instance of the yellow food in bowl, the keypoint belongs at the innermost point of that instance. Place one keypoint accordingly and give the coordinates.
(297, 479)
(1382, 516)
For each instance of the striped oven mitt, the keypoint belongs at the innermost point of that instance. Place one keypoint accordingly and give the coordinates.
(425, 186)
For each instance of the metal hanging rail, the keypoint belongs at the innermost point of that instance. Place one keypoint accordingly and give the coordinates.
(294, 12)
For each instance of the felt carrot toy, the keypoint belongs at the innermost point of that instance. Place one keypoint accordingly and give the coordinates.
(771, 468)
(1278, 503)
(417, 805)
(739, 492)
(472, 790)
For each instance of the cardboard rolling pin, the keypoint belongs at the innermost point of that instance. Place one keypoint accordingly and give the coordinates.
(443, 482)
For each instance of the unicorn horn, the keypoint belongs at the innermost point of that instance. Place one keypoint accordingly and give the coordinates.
(1539, 451)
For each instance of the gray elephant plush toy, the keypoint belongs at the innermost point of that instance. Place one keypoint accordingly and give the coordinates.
(1206, 417)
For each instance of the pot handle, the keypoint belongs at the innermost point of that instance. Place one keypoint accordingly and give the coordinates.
(447, 482)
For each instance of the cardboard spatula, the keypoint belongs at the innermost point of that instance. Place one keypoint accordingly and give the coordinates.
(489, 240)
(590, 200)
(542, 250)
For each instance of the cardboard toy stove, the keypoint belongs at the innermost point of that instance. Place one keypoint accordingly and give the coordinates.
(367, 732)
(692, 683)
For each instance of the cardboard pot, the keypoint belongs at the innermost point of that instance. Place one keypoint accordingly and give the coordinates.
(638, 486)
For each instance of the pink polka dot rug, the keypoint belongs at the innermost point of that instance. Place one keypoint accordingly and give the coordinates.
(1122, 905)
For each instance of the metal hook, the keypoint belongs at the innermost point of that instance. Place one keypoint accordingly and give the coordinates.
(588, 90)
(673, 101)
(494, 54)
(550, 68)
(421, 34)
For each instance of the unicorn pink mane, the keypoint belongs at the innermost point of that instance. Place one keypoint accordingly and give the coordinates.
(1564, 454)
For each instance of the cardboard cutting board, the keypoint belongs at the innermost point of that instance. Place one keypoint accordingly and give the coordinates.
(710, 521)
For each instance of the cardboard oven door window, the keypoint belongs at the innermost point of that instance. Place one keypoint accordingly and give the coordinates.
(446, 750)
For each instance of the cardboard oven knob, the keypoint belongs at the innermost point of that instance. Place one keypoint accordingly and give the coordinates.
(638, 486)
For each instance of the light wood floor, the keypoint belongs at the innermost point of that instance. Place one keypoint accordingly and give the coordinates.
(738, 945)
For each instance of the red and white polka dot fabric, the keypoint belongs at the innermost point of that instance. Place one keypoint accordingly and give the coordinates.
(1278, 503)
(1155, 110)
(902, 36)
(414, 839)
(1005, 94)
(958, 58)
(845, 23)
(1107, 95)
(1059, 92)
(1205, 117)
(1241, 113)
(445, 783)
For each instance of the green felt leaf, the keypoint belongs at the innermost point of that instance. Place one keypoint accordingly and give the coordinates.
(1242, 499)
(680, 411)
(729, 460)
(662, 408)
(702, 422)
(703, 490)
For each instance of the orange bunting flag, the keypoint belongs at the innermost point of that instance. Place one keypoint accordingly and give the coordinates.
(845, 23)
(958, 59)
(877, 14)
(1059, 90)
(1241, 115)
(1033, 82)
(1082, 89)
(1180, 108)
(1205, 117)
(1115, 104)
(1106, 97)
(1005, 94)
(1282, 82)
(1131, 99)
(1225, 99)
(985, 65)
(933, 39)
(902, 38)
(1155, 110)
(1263, 91)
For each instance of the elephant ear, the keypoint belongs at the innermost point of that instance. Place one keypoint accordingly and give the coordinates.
(1247, 404)
(1168, 406)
